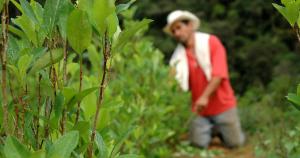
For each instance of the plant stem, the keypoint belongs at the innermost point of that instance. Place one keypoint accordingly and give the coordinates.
(65, 63)
(64, 114)
(296, 29)
(36, 118)
(80, 87)
(106, 55)
(47, 112)
(4, 21)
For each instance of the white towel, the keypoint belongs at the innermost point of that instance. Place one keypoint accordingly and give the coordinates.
(179, 60)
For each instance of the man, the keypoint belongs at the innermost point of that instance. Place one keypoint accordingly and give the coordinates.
(201, 67)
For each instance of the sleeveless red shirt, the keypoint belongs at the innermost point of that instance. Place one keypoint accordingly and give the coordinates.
(223, 98)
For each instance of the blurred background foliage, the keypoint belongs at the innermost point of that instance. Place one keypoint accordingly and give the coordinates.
(263, 55)
(256, 36)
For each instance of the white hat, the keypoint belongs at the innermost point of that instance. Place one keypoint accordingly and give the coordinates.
(181, 15)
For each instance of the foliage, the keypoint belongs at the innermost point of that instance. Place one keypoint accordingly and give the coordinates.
(44, 75)
(253, 32)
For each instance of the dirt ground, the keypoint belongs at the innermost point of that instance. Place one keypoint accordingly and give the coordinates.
(246, 151)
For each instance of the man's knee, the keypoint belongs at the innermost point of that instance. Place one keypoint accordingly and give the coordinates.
(200, 132)
(235, 141)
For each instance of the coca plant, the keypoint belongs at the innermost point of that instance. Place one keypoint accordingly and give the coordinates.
(44, 80)
(290, 9)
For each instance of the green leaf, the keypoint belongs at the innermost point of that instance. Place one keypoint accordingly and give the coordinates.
(94, 57)
(83, 127)
(290, 12)
(79, 31)
(15, 72)
(68, 93)
(24, 63)
(79, 96)
(64, 146)
(38, 154)
(45, 60)
(17, 5)
(14, 149)
(298, 90)
(58, 108)
(103, 152)
(28, 28)
(28, 11)
(129, 33)
(112, 24)
(129, 156)
(51, 14)
(1, 4)
(63, 18)
(120, 142)
(286, 2)
(16, 31)
(38, 11)
(123, 7)
(100, 12)
(294, 99)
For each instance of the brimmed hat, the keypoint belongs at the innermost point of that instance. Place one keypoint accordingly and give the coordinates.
(181, 15)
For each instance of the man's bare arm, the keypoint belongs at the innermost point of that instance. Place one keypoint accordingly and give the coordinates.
(209, 90)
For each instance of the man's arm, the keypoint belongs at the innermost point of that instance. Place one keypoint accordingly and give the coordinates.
(209, 90)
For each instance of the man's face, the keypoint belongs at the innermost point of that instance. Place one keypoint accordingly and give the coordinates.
(182, 31)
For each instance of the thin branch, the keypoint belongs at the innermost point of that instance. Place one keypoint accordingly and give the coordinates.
(80, 87)
(36, 118)
(106, 55)
(64, 113)
(4, 21)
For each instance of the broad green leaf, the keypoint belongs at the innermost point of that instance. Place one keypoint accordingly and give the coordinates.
(17, 5)
(290, 12)
(14, 149)
(63, 18)
(79, 96)
(68, 94)
(28, 11)
(64, 146)
(104, 120)
(129, 156)
(58, 108)
(89, 105)
(86, 6)
(24, 63)
(294, 99)
(120, 142)
(51, 13)
(286, 2)
(38, 154)
(103, 152)
(45, 60)
(38, 10)
(15, 72)
(1, 4)
(101, 10)
(28, 28)
(94, 57)
(13, 49)
(16, 31)
(83, 127)
(123, 7)
(298, 90)
(79, 31)
(129, 33)
(112, 24)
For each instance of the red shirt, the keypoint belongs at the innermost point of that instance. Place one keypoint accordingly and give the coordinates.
(223, 98)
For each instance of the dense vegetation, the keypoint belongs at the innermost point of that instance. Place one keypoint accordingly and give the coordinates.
(58, 77)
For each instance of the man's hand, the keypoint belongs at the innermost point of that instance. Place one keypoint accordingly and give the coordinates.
(201, 103)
